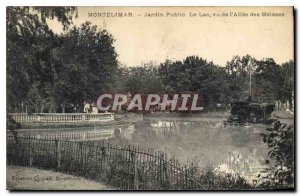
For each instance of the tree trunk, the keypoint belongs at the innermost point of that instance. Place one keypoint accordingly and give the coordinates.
(22, 107)
(54, 107)
(63, 108)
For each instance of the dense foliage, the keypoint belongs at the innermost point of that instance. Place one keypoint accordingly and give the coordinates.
(47, 72)
(280, 140)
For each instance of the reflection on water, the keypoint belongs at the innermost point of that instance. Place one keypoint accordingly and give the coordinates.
(228, 149)
(206, 143)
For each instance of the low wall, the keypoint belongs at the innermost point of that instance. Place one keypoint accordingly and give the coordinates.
(62, 117)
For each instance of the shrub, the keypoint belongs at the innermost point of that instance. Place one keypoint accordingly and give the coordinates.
(280, 140)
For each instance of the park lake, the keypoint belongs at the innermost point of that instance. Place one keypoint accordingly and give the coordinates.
(206, 143)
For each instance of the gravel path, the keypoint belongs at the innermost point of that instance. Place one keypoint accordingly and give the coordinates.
(27, 178)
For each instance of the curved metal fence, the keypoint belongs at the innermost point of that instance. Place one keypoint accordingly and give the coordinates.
(125, 168)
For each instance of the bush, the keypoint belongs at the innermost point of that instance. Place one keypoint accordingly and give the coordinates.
(280, 140)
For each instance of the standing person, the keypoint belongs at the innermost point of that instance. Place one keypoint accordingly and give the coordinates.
(86, 108)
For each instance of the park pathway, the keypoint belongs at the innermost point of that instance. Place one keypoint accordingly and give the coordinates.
(27, 178)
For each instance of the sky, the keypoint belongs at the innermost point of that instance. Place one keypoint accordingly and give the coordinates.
(141, 39)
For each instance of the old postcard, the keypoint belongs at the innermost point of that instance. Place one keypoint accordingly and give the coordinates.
(150, 98)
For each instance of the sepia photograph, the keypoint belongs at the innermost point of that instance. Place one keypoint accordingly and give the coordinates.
(141, 98)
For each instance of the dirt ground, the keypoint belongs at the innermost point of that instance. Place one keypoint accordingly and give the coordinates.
(27, 178)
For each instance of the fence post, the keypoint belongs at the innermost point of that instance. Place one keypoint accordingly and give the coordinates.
(136, 177)
(186, 177)
(103, 152)
(82, 155)
(30, 156)
(167, 176)
(58, 153)
(30, 151)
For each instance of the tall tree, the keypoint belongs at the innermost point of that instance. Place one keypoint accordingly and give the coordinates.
(269, 81)
(288, 72)
(143, 79)
(29, 46)
(87, 64)
(199, 76)
(240, 70)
